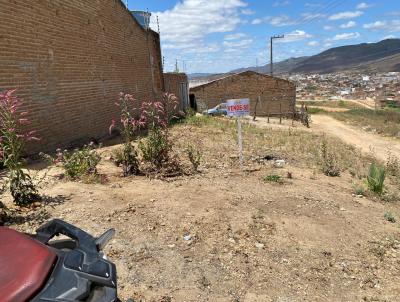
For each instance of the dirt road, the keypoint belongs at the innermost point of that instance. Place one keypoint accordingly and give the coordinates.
(363, 140)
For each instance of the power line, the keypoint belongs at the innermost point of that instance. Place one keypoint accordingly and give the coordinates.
(315, 15)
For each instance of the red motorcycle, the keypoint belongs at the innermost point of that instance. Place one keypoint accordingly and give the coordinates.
(37, 268)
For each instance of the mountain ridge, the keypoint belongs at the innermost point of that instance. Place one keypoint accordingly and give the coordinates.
(383, 56)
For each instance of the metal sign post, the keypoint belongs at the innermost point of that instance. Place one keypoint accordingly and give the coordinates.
(239, 108)
(240, 139)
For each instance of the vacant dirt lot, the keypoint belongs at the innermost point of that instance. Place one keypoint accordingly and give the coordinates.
(227, 235)
(367, 142)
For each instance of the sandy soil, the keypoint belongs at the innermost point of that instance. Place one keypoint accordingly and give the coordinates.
(226, 235)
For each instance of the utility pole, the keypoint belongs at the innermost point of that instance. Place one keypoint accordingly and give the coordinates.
(271, 52)
(176, 66)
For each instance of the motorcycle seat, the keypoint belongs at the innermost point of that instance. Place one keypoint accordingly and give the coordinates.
(25, 266)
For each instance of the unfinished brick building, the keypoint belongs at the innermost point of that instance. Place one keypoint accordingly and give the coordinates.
(178, 84)
(69, 60)
(277, 97)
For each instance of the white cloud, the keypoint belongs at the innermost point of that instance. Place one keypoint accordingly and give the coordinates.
(281, 3)
(285, 20)
(349, 24)
(234, 36)
(389, 26)
(312, 16)
(257, 21)
(389, 37)
(328, 27)
(247, 12)
(313, 43)
(277, 21)
(346, 15)
(375, 25)
(364, 5)
(346, 36)
(294, 36)
(190, 21)
(238, 44)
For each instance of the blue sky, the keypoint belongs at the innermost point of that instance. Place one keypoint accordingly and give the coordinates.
(221, 35)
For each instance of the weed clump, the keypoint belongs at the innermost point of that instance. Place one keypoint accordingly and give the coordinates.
(77, 163)
(376, 178)
(359, 189)
(329, 162)
(273, 178)
(390, 217)
(194, 156)
(393, 165)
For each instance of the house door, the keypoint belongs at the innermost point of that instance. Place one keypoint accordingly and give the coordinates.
(184, 93)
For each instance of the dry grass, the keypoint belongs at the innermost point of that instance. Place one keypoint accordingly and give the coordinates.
(383, 121)
(300, 148)
(332, 104)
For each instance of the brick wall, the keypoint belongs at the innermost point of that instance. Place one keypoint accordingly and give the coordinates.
(276, 95)
(173, 84)
(70, 59)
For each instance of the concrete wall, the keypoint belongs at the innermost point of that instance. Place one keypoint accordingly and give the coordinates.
(70, 59)
(277, 96)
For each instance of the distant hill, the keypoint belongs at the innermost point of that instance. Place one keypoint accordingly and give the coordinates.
(283, 67)
(199, 75)
(361, 56)
(383, 56)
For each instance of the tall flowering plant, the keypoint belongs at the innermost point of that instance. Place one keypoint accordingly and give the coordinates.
(156, 116)
(12, 144)
(130, 124)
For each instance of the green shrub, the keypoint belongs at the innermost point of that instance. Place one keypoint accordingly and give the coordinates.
(79, 162)
(359, 189)
(127, 158)
(376, 178)
(22, 188)
(273, 178)
(155, 148)
(390, 217)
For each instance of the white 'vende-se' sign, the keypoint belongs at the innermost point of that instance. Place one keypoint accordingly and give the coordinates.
(238, 107)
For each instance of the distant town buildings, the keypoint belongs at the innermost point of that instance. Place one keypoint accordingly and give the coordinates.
(384, 88)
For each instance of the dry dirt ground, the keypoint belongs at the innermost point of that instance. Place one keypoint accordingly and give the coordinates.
(226, 235)
(367, 142)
